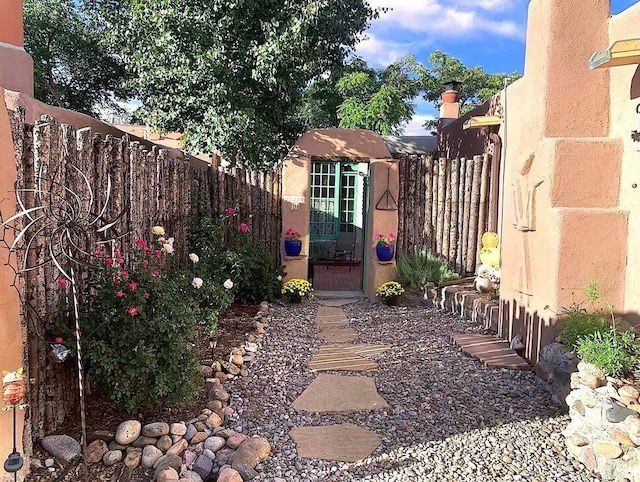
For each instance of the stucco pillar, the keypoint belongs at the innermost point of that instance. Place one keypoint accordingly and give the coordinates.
(10, 321)
(16, 66)
(562, 227)
(295, 212)
(380, 221)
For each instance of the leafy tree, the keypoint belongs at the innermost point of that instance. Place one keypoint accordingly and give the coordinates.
(73, 64)
(380, 100)
(231, 73)
(477, 85)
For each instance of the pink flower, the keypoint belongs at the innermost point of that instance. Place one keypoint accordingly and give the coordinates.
(147, 249)
(62, 282)
(133, 311)
(117, 253)
(120, 294)
(155, 272)
(158, 253)
(230, 211)
(145, 262)
(109, 261)
(121, 260)
(132, 286)
(59, 340)
(77, 333)
(141, 242)
(124, 273)
(243, 228)
(98, 253)
(116, 280)
(146, 295)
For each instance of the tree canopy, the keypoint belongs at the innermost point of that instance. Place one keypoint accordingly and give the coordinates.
(231, 74)
(74, 67)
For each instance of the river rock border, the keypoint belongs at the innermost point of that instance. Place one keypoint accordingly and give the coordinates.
(195, 450)
(604, 432)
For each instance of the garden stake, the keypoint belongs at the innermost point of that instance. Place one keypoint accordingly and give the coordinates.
(12, 394)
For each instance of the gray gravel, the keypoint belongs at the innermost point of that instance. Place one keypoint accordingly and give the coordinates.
(449, 418)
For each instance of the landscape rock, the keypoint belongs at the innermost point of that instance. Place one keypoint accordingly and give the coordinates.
(203, 466)
(206, 371)
(229, 475)
(191, 431)
(62, 447)
(150, 455)
(250, 453)
(235, 439)
(213, 421)
(178, 429)
(106, 435)
(128, 431)
(133, 457)
(191, 476)
(199, 437)
(214, 443)
(143, 441)
(156, 429)
(177, 448)
(164, 443)
(112, 457)
(225, 456)
(230, 368)
(96, 450)
(167, 474)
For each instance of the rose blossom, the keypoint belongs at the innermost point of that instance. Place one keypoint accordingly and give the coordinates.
(132, 286)
(158, 230)
(109, 261)
(168, 248)
(59, 340)
(228, 284)
(62, 282)
(194, 257)
(133, 311)
(146, 295)
(141, 242)
(243, 228)
(197, 283)
(230, 211)
(120, 294)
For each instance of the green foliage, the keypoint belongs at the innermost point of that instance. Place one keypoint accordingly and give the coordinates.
(477, 85)
(231, 75)
(136, 326)
(253, 271)
(419, 267)
(74, 66)
(613, 351)
(578, 323)
(379, 100)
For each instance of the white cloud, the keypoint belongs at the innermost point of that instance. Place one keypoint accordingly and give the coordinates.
(450, 19)
(381, 53)
(415, 126)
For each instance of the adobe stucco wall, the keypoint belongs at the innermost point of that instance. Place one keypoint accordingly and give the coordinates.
(625, 117)
(11, 332)
(16, 66)
(562, 225)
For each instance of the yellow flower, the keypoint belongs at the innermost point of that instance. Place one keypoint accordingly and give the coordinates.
(158, 230)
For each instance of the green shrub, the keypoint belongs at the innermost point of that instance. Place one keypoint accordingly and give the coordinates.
(137, 324)
(419, 267)
(252, 268)
(613, 351)
(579, 323)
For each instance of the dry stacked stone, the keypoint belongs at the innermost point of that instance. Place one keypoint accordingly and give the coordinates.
(604, 433)
(194, 450)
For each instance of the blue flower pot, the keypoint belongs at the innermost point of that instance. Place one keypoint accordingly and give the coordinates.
(292, 248)
(384, 253)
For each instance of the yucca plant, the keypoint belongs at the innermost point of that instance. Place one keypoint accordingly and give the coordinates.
(419, 267)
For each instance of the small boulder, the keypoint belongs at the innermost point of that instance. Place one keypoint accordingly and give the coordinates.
(214, 443)
(199, 437)
(206, 371)
(250, 453)
(203, 466)
(150, 455)
(178, 447)
(143, 441)
(128, 431)
(191, 431)
(229, 475)
(168, 474)
(178, 429)
(164, 443)
(235, 439)
(96, 450)
(191, 476)
(61, 447)
(213, 421)
(133, 457)
(156, 429)
(112, 457)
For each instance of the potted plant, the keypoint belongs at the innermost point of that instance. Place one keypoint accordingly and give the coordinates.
(295, 289)
(384, 246)
(389, 292)
(292, 242)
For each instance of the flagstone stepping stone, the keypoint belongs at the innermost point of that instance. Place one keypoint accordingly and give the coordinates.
(337, 393)
(338, 335)
(329, 316)
(336, 302)
(346, 443)
(338, 357)
(491, 351)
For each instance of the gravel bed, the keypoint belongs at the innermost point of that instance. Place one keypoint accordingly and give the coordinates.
(449, 418)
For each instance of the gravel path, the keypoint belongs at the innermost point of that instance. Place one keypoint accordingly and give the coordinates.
(449, 417)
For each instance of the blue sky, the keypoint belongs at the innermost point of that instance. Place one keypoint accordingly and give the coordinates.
(489, 33)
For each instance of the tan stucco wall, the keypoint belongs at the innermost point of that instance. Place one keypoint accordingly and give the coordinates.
(625, 85)
(10, 324)
(559, 113)
(16, 66)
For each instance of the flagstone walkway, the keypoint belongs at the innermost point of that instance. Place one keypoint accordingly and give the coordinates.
(399, 402)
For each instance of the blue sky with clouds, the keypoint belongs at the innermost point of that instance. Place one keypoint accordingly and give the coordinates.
(489, 33)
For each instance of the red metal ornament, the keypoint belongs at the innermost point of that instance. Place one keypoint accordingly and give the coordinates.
(13, 393)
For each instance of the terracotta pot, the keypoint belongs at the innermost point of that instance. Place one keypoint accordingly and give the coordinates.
(449, 97)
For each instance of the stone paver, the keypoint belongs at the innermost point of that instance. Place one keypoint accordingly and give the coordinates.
(489, 350)
(336, 302)
(337, 357)
(347, 442)
(337, 393)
